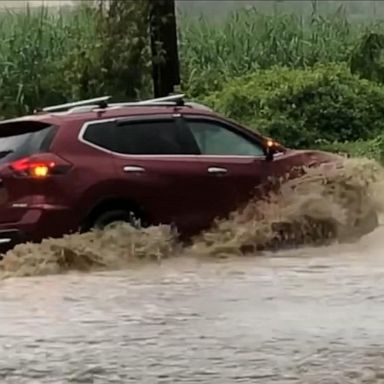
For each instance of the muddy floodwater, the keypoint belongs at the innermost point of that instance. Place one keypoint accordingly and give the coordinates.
(313, 315)
(128, 305)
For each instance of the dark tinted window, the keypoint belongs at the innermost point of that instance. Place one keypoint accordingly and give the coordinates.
(101, 134)
(18, 140)
(147, 137)
(160, 137)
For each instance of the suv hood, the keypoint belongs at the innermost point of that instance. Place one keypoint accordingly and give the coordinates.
(309, 157)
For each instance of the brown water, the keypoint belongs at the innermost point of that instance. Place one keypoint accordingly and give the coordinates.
(93, 312)
(307, 316)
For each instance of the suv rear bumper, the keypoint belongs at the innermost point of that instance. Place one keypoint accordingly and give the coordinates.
(9, 238)
(36, 224)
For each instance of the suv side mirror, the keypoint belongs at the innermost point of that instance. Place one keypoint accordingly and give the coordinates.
(270, 150)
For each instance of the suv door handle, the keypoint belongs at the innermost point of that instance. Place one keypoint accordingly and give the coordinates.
(133, 169)
(217, 170)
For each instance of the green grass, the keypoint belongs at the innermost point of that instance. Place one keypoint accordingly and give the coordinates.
(248, 40)
(45, 57)
(42, 54)
(33, 48)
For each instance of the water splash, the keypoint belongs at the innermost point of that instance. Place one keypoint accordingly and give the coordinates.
(111, 248)
(328, 204)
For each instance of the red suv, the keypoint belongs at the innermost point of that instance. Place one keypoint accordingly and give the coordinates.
(81, 165)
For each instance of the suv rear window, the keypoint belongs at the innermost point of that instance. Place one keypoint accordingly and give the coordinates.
(20, 139)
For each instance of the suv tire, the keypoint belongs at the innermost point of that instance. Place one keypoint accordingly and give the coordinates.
(116, 215)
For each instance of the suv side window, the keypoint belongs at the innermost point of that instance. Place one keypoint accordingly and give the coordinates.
(214, 138)
(100, 134)
(145, 137)
(153, 137)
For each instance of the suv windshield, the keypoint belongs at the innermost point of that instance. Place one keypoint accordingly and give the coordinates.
(18, 140)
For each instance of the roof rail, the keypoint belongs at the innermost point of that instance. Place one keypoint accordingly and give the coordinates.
(90, 108)
(178, 99)
(160, 101)
(102, 101)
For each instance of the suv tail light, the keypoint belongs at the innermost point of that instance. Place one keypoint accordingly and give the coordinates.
(40, 166)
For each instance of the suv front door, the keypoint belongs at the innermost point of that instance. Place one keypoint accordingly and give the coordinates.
(232, 154)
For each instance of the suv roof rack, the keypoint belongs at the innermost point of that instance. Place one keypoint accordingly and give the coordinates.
(102, 102)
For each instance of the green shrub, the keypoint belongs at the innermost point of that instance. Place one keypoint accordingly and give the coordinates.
(305, 108)
(371, 149)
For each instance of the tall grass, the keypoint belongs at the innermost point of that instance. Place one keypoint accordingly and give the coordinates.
(34, 46)
(248, 40)
(40, 50)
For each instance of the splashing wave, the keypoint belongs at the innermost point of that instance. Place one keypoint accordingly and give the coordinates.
(327, 204)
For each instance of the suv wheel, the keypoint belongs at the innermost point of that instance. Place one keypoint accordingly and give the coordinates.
(114, 216)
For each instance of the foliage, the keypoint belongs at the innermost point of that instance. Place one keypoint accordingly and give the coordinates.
(371, 149)
(115, 60)
(360, 10)
(247, 40)
(282, 74)
(125, 53)
(50, 57)
(33, 45)
(305, 107)
(367, 58)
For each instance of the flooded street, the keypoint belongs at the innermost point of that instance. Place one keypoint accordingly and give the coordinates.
(301, 316)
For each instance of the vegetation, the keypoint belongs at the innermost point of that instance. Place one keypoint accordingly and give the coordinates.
(306, 107)
(372, 149)
(50, 57)
(314, 80)
(366, 59)
(247, 41)
(47, 57)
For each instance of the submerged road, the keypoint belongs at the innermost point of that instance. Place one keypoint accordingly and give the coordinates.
(301, 316)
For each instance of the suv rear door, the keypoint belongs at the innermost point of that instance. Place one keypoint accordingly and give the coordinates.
(158, 166)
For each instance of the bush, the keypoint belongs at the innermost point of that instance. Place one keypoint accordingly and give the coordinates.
(305, 108)
(371, 149)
